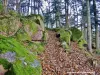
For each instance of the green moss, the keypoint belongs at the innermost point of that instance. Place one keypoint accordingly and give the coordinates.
(65, 35)
(13, 13)
(37, 47)
(45, 36)
(76, 34)
(87, 54)
(5, 63)
(30, 26)
(81, 43)
(22, 35)
(22, 56)
(9, 25)
(1, 8)
(97, 52)
(38, 19)
(41, 22)
(55, 29)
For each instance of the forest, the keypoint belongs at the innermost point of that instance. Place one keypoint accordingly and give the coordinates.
(49, 37)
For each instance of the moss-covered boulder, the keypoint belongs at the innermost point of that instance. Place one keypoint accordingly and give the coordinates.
(9, 24)
(24, 61)
(38, 19)
(22, 35)
(65, 35)
(81, 43)
(32, 27)
(76, 34)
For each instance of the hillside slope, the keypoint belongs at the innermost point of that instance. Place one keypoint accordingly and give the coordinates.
(55, 61)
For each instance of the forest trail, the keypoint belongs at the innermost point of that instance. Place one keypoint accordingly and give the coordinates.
(55, 61)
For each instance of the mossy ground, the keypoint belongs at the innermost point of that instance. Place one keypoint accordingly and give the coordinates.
(19, 66)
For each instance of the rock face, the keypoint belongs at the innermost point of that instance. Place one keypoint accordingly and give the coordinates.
(38, 36)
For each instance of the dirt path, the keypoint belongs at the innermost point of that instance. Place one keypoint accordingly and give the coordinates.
(55, 61)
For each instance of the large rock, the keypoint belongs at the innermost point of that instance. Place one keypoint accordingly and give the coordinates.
(38, 36)
(65, 35)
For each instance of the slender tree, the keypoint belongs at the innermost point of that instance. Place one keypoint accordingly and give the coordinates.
(89, 40)
(96, 25)
(66, 12)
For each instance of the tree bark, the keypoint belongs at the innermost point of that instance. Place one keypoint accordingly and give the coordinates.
(89, 40)
(34, 7)
(5, 3)
(66, 13)
(96, 25)
(84, 29)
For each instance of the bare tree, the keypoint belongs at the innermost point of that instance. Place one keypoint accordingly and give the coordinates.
(89, 38)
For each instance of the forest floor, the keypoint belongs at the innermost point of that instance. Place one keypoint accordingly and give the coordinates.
(55, 61)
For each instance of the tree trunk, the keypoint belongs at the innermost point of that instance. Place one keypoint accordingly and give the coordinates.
(31, 7)
(96, 25)
(66, 13)
(5, 3)
(38, 7)
(84, 21)
(34, 7)
(89, 40)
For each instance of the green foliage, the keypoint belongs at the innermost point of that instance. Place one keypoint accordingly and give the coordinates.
(38, 19)
(13, 13)
(45, 36)
(65, 35)
(97, 52)
(5, 63)
(81, 43)
(76, 34)
(22, 35)
(55, 29)
(24, 58)
(37, 47)
(1, 8)
(29, 25)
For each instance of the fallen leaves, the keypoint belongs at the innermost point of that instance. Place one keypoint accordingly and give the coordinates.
(57, 62)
